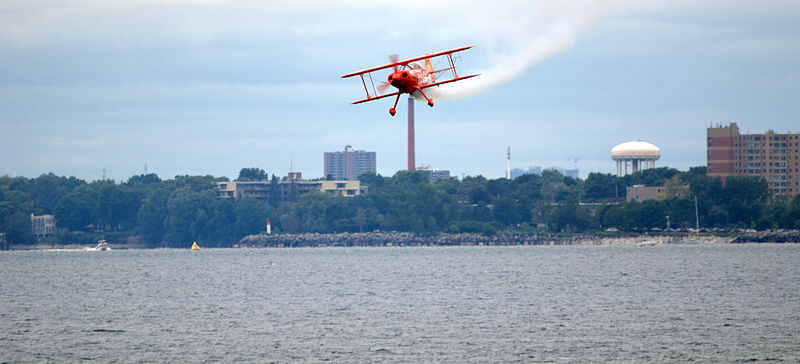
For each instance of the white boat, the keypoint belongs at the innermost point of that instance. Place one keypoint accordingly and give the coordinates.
(101, 245)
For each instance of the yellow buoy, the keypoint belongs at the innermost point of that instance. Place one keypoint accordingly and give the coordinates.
(195, 246)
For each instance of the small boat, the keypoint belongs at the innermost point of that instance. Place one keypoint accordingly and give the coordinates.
(195, 246)
(102, 245)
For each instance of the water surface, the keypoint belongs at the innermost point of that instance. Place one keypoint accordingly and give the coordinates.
(442, 304)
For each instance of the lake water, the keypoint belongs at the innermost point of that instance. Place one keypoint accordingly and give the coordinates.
(428, 304)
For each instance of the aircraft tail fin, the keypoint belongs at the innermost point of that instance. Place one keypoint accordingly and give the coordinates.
(429, 68)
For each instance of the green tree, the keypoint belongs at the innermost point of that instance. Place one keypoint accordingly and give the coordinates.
(291, 224)
(196, 183)
(792, 218)
(116, 206)
(188, 213)
(651, 214)
(746, 189)
(372, 180)
(20, 230)
(219, 229)
(251, 218)
(568, 216)
(152, 215)
(74, 210)
(717, 217)
(48, 189)
(612, 216)
(252, 174)
(674, 187)
(147, 181)
(603, 187)
(506, 211)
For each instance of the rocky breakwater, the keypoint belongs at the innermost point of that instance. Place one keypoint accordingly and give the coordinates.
(769, 236)
(384, 239)
(462, 239)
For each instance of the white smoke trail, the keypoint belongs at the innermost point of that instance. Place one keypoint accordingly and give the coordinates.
(524, 50)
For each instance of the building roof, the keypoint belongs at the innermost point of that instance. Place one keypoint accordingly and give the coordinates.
(637, 149)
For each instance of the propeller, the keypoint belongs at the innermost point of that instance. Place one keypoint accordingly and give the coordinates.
(385, 84)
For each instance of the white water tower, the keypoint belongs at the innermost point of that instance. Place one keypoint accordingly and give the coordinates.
(638, 155)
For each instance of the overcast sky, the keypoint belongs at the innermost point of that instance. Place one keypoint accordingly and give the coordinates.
(208, 87)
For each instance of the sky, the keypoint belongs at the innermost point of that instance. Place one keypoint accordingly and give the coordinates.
(207, 87)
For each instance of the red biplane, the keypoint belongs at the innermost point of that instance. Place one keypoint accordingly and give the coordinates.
(409, 77)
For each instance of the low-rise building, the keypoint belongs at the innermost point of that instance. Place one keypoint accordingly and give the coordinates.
(288, 189)
(43, 225)
(342, 188)
(435, 174)
(641, 193)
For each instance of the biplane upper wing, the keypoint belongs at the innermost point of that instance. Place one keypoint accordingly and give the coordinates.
(405, 62)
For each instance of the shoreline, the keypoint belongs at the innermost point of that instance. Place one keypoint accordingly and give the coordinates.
(464, 239)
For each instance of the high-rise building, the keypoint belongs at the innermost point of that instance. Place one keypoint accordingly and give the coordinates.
(348, 164)
(772, 156)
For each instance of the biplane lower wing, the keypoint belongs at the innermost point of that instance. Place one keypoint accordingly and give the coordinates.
(376, 97)
(422, 87)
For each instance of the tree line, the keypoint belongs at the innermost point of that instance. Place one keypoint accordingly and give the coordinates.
(178, 211)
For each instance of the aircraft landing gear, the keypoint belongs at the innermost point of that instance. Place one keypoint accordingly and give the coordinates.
(392, 111)
(430, 101)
